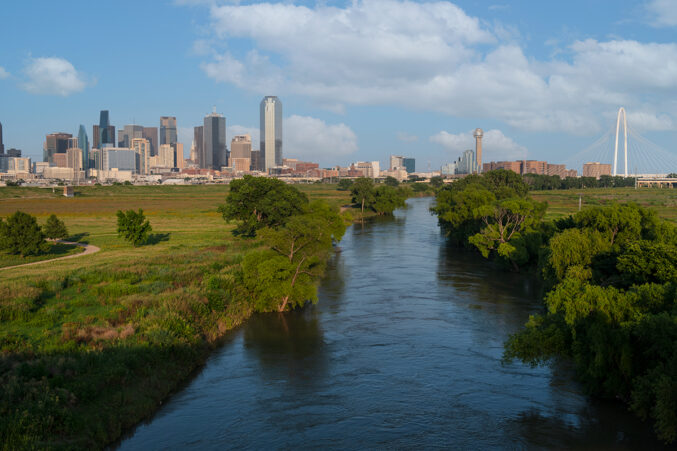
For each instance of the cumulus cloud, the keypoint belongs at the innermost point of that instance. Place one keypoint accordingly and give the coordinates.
(311, 138)
(495, 145)
(663, 12)
(55, 76)
(406, 137)
(432, 56)
(3, 73)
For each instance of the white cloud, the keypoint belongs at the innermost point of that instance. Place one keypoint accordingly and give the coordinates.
(663, 12)
(3, 73)
(315, 140)
(495, 145)
(55, 76)
(406, 137)
(432, 56)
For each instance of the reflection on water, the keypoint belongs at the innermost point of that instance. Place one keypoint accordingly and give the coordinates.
(403, 350)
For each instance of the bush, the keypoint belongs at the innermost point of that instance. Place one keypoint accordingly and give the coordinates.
(54, 228)
(133, 226)
(21, 234)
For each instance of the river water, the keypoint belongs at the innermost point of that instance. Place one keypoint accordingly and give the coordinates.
(403, 350)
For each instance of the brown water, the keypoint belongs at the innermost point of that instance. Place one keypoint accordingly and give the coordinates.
(403, 350)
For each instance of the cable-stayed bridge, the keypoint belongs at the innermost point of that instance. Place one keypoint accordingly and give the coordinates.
(628, 152)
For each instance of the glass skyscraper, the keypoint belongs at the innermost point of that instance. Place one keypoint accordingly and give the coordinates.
(106, 132)
(214, 141)
(271, 132)
(168, 130)
(83, 142)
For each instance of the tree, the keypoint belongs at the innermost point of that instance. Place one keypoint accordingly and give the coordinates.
(363, 192)
(387, 199)
(133, 226)
(436, 182)
(21, 234)
(344, 184)
(391, 181)
(504, 183)
(261, 202)
(54, 228)
(284, 276)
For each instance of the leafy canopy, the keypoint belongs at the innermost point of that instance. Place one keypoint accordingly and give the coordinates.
(54, 228)
(21, 234)
(133, 226)
(258, 202)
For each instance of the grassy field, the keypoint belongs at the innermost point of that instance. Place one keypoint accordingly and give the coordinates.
(56, 250)
(90, 346)
(565, 202)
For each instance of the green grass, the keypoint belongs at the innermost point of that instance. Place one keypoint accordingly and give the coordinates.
(91, 346)
(56, 250)
(565, 202)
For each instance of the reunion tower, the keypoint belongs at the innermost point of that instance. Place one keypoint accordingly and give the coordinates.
(478, 149)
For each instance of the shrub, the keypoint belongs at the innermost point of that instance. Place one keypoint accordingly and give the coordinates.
(21, 234)
(133, 226)
(54, 228)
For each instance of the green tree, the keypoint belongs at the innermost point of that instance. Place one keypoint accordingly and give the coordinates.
(285, 275)
(363, 192)
(258, 202)
(133, 226)
(54, 228)
(387, 199)
(391, 181)
(504, 183)
(437, 182)
(21, 234)
(344, 184)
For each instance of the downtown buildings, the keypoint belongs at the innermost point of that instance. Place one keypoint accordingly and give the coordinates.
(271, 132)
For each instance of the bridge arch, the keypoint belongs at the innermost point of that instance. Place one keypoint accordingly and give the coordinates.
(621, 110)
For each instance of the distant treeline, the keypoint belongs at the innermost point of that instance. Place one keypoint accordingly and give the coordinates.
(610, 276)
(545, 182)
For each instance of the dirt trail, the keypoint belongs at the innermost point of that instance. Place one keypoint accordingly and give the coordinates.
(89, 249)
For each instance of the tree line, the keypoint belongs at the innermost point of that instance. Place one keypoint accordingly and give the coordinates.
(610, 276)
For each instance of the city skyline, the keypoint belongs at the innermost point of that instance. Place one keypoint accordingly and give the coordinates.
(556, 91)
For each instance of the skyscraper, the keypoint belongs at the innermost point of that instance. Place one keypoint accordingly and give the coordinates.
(198, 140)
(84, 145)
(478, 149)
(271, 131)
(142, 147)
(2, 146)
(106, 131)
(55, 143)
(214, 141)
(168, 130)
(128, 133)
(150, 133)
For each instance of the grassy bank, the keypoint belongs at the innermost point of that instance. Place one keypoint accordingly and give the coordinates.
(90, 346)
(565, 202)
(56, 250)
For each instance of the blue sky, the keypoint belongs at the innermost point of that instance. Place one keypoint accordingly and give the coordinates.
(358, 80)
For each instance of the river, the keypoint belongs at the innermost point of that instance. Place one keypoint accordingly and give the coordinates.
(403, 350)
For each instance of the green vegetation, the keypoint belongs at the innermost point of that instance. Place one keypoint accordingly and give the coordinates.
(54, 228)
(133, 226)
(261, 202)
(610, 275)
(382, 200)
(22, 235)
(344, 184)
(91, 346)
(548, 182)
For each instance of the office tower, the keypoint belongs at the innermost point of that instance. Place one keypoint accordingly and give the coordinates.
(15, 153)
(128, 133)
(167, 130)
(150, 133)
(142, 147)
(59, 160)
(596, 169)
(95, 137)
(120, 159)
(198, 139)
(271, 131)
(409, 164)
(396, 161)
(2, 146)
(193, 153)
(178, 155)
(478, 149)
(55, 143)
(74, 158)
(166, 156)
(72, 143)
(106, 131)
(241, 147)
(84, 145)
(257, 161)
(214, 141)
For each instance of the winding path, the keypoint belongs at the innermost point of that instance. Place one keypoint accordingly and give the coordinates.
(89, 249)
